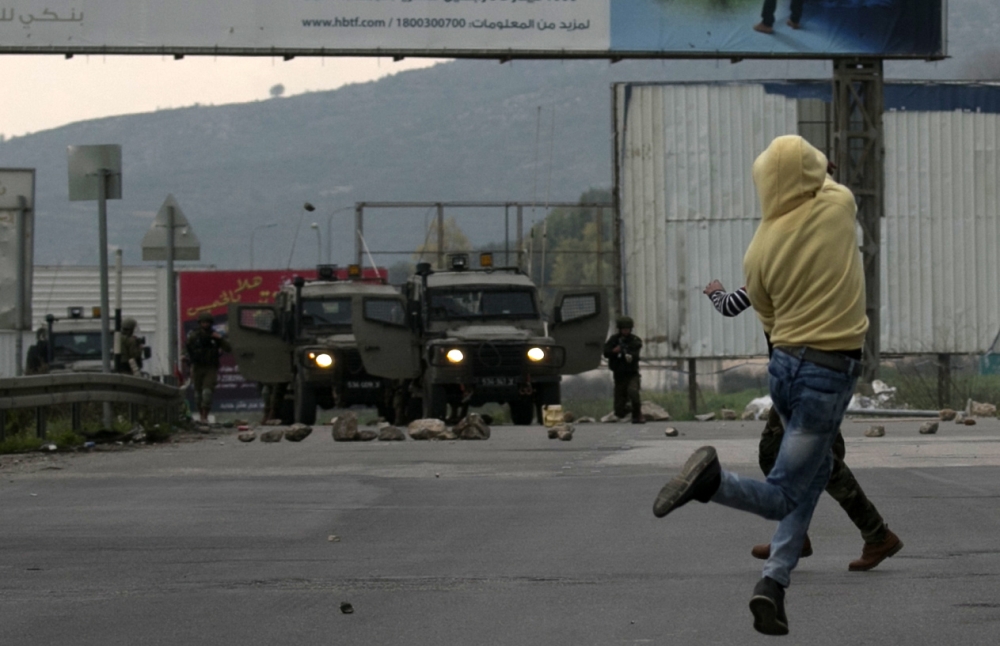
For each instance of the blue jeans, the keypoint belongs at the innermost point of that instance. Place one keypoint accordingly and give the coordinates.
(811, 401)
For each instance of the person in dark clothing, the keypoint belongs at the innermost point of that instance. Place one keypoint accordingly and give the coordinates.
(204, 346)
(843, 487)
(131, 349)
(766, 24)
(622, 351)
(37, 361)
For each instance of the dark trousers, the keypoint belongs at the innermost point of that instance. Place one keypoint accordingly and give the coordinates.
(843, 487)
(627, 396)
(767, 13)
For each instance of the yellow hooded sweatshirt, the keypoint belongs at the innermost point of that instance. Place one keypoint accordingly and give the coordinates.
(803, 268)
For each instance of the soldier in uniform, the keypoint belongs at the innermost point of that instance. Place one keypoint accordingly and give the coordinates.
(622, 351)
(204, 346)
(38, 354)
(131, 349)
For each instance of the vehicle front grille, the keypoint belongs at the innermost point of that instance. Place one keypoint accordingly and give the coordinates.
(497, 359)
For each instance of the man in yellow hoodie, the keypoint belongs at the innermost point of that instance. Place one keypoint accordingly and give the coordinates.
(805, 281)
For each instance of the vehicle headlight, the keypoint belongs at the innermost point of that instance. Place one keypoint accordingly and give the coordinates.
(455, 355)
(323, 360)
(536, 354)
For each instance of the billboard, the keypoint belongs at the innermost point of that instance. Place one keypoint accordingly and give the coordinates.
(480, 28)
(212, 292)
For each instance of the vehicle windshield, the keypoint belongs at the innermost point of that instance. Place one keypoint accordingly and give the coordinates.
(481, 303)
(76, 345)
(327, 312)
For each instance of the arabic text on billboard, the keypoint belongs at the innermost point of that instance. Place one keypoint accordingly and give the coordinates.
(598, 28)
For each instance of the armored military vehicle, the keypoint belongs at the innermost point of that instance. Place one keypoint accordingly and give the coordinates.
(466, 337)
(74, 342)
(302, 347)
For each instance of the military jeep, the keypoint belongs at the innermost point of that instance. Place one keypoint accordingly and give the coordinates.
(466, 337)
(303, 350)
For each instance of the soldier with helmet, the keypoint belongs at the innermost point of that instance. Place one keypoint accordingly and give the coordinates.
(622, 351)
(131, 349)
(203, 347)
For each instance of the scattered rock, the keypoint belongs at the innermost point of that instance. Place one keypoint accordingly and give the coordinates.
(333, 538)
(875, 431)
(272, 435)
(946, 414)
(246, 436)
(748, 415)
(552, 414)
(960, 417)
(970, 421)
(391, 434)
(707, 417)
(367, 435)
(586, 420)
(928, 428)
(472, 427)
(345, 427)
(228, 424)
(241, 422)
(728, 415)
(671, 432)
(758, 408)
(652, 411)
(202, 428)
(568, 417)
(979, 409)
(298, 432)
(273, 422)
(346, 608)
(430, 429)
(562, 432)
(610, 418)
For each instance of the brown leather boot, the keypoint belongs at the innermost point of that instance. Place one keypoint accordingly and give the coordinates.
(875, 553)
(763, 551)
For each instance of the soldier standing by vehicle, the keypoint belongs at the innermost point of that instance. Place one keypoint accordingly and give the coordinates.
(131, 349)
(38, 354)
(203, 346)
(622, 352)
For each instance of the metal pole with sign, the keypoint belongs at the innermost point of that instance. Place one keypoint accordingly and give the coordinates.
(171, 238)
(95, 173)
(17, 199)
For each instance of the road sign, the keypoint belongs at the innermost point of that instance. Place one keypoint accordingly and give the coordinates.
(87, 165)
(186, 243)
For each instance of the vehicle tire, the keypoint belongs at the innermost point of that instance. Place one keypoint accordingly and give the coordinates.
(522, 411)
(435, 402)
(305, 402)
(286, 412)
(549, 394)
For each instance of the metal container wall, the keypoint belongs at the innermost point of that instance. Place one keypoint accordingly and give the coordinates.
(689, 208)
(54, 289)
(8, 352)
(940, 266)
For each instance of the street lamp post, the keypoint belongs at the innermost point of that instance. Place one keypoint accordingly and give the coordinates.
(329, 226)
(319, 243)
(254, 232)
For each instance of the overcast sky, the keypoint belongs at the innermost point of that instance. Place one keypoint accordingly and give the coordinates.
(42, 92)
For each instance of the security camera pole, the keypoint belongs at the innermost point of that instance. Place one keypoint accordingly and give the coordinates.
(95, 173)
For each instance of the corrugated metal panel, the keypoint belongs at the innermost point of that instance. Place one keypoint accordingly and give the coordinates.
(689, 208)
(143, 298)
(940, 267)
(8, 352)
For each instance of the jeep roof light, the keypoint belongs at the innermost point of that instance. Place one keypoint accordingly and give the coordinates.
(326, 272)
(486, 260)
(459, 261)
(423, 269)
(74, 312)
(354, 272)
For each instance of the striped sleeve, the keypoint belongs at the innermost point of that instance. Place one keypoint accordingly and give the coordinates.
(731, 304)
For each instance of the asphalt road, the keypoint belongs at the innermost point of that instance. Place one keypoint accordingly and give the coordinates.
(515, 540)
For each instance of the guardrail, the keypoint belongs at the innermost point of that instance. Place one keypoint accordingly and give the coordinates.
(42, 391)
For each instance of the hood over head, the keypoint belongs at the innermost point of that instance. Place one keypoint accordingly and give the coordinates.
(788, 174)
